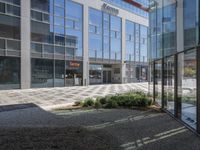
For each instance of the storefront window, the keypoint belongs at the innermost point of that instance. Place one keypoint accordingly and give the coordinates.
(96, 74)
(74, 73)
(42, 73)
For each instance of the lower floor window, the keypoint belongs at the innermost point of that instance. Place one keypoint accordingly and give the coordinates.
(9, 73)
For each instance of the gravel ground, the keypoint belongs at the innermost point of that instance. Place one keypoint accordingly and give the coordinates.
(110, 129)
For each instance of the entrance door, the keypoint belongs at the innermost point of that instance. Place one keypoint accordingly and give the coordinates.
(106, 77)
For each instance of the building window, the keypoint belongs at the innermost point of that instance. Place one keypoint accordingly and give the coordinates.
(9, 27)
(42, 73)
(9, 73)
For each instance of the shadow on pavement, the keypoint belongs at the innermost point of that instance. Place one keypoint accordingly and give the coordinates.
(28, 127)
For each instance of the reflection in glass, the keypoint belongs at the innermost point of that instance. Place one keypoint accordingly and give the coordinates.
(96, 74)
(59, 80)
(74, 73)
(169, 84)
(190, 23)
(95, 35)
(187, 86)
(158, 81)
(42, 73)
(74, 23)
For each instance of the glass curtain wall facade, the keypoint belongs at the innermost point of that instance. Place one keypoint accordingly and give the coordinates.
(56, 42)
(10, 17)
(104, 36)
(136, 52)
(174, 58)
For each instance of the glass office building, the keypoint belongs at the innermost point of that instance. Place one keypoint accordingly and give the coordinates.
(175, 58)
(57, 43)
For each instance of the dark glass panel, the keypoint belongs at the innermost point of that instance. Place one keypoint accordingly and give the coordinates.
(2, 7)
(9, 72)
(42, 5)
(13, 10)
(36, 15)
(41, 32)
(59, 80)
(9, 27)
(36, 47)
(13, 45)
(2, 44)
(42, 73)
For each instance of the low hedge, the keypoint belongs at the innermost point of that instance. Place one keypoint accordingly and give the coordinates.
(131, 99)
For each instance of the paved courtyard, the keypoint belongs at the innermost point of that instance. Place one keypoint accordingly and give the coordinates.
(56, 97)
(104, 129)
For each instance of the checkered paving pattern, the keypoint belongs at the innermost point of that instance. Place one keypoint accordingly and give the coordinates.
(64, 95)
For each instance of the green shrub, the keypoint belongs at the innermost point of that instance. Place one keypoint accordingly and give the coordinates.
(97, 104)
(131, 99)
(88, 102)
(103, 100)
(111, 104)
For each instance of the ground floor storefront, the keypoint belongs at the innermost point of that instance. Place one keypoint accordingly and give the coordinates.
(61, 73)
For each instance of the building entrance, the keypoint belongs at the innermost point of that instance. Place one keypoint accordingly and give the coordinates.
(106, 76)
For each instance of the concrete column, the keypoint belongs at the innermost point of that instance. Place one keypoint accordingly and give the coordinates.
(25, 44)
(85, 46)
(123, 64)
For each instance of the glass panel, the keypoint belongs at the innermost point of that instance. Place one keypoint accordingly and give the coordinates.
(190, 23)
(48, 49)
(59, 80)
(36, 15)
(130, 43)
(187, 86)
(169, 73)
(74, 21)
(42, 73)
(95, 37)
(2, 44)
(13, 45)
(16, 2)
(158, 81)
(41, 32)
(2, 7)
(9, 27)
(36, 48)
(169, 27)
(96, 74)
(40, 5)
(59, 50)
(9, 73)
(115, 45)
(59, 11)
(13, 10)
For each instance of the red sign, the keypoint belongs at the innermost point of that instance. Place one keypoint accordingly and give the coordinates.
(74, 64)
